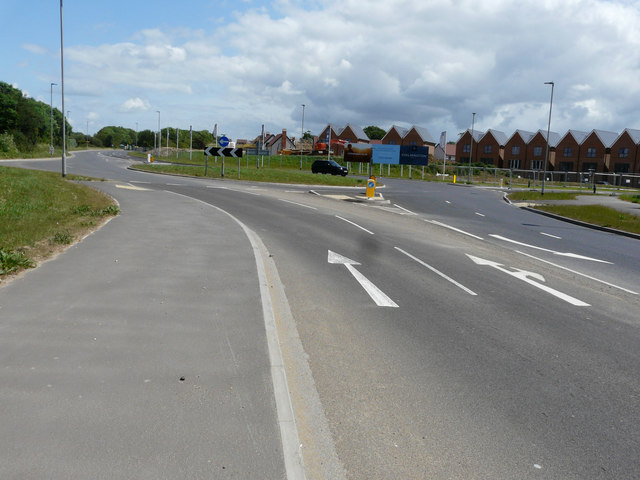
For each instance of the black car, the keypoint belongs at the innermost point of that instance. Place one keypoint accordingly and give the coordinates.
(328, 166)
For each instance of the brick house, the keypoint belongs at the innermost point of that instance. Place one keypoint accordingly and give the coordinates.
(624, 152)
(463, 146)
(409, 136)
(568, 151)
(595, 150)
(537, 150)
(491, 148)
(515, 150)
(275, 143)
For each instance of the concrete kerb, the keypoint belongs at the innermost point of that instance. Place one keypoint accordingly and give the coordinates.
(572, 221)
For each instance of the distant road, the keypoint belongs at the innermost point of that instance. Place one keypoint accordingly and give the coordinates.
(449, 334)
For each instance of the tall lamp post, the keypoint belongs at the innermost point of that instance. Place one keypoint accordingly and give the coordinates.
(68, 112)
(473, 121)
(51, 117)
(157, 153)
(546, 155)
(301, 135)
(64, 120)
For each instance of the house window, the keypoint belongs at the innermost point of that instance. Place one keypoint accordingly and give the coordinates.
(466, 148)
(487, 149)
(487, 160)
(586, 166)
(412, 144)
(566, 166)
(621, 168)
(392, 142)
(567, 151)
(624, 153)
(515, 150)
(537, 151)
(536, 164)
(591, 152)
(514, 163)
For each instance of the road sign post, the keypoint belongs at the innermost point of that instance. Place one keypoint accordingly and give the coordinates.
(223, 152)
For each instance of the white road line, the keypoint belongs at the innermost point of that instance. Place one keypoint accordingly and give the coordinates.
(402, 208)
(578, 273)
(447, 201)
(549, 235)
(296, 203)
(480, 214)
(434, 270)
(562, 254)
(138, 181)
(435, 222)
(174, 184)
(355, 224)
(234, 190)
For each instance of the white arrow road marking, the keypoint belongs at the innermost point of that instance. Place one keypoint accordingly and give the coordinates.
(449, 279)
(562, 254)
(377, 295)
(578, 273)
(524, 276)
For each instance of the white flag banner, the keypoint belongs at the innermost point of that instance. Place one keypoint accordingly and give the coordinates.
(443, 139)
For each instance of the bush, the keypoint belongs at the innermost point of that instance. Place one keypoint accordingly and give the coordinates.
(7, 145)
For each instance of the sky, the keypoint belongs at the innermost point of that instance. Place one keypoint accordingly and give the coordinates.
(244, 63)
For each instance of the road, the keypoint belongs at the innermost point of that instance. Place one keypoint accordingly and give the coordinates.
(448, 334)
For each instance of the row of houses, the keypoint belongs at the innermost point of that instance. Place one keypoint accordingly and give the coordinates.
(338, 137)
(575, 151)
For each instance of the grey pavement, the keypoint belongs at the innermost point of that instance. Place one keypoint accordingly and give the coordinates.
(148, 361)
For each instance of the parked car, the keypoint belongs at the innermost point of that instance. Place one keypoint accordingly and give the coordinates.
(328, 166)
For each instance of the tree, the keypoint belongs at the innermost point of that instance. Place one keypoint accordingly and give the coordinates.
(374, 133)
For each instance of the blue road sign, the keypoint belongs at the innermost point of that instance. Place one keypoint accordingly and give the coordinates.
(223, 141)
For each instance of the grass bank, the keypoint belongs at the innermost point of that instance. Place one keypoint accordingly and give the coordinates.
(263, 174)
(533, 195)
(40, 213)
(597, 215)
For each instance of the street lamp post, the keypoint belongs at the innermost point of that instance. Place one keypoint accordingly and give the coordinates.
(51, 117)
(301, 135)
(154, 143)
(64, 120)
(473, 121)
(546, 155)
(68, 112)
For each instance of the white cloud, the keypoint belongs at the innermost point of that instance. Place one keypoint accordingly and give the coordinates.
(136, 104)
(381, 66)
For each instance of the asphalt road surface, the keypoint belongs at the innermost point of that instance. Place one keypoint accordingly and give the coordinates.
(445, 334)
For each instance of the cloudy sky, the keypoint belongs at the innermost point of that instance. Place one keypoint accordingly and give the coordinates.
(244, 63)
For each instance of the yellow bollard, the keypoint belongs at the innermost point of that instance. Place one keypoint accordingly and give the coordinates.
(371, 187)
(454, 178)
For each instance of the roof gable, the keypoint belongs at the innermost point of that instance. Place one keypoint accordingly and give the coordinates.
(633, 134)
(523, 134)
(499, 136)
(554, 138)
(607, 138)
(424, 134)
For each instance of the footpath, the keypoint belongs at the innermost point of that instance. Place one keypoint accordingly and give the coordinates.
(140, 352)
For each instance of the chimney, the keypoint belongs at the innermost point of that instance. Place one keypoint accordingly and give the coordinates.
(284, 139)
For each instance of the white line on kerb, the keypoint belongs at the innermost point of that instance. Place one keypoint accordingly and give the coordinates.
(435, 222)
(355, 224)
(296, 203)
(578, 273)
(434, 270)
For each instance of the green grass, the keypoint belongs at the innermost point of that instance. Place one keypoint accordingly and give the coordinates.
(630, 198)
(597, 215)
(273, 175)
(533, 195)
(39, 210)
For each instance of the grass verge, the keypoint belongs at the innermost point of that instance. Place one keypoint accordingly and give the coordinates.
(40, 213)
(630, 198)
(596, 215)
(272, 175)
(533, 195)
